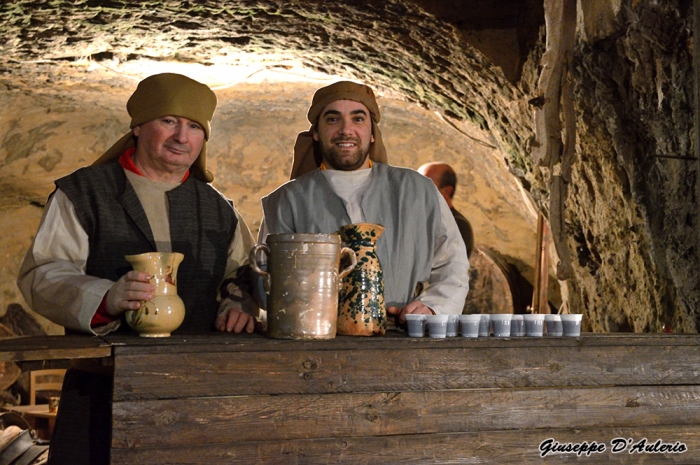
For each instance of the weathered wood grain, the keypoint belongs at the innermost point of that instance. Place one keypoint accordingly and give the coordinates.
(391, 368)
(487, 447)
(226, 342)
(29, 348)
(169, 423)
(219, 398)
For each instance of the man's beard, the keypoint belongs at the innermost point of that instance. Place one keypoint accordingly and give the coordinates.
(344, 160)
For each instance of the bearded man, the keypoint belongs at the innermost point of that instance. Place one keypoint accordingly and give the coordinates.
(340, 176)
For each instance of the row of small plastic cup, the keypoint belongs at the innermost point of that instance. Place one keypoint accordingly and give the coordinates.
(504, 325)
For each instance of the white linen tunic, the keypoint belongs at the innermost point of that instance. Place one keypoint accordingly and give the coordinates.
(419, 227)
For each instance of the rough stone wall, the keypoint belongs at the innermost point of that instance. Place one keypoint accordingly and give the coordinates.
(393, 44)
(633, 206)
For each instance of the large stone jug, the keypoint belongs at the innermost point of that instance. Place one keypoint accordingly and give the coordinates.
(362, 311)
(165, 312)
(303, 280)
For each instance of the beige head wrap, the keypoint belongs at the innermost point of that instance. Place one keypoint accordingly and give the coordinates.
(169, 94)
(305, 157)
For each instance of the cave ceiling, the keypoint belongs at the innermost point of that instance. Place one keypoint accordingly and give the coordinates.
(461, 58)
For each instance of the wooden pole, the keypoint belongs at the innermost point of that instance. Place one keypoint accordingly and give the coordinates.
(544, 270)
(540, 300)
(538, 256)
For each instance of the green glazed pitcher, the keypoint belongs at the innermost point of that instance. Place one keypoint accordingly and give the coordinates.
(361, 309)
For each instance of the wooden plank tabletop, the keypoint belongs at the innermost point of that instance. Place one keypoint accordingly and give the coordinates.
(28, 348)
(228, 365)
(37, 410)
(209, 420)
(482, 447)
(227, 342)
(40, 348)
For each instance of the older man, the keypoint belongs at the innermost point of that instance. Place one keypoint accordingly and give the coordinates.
(340, 176)
(445, 179)
(149, 192)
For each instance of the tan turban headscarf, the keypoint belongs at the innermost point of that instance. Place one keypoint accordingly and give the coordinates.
(169, 94)
(305, 157)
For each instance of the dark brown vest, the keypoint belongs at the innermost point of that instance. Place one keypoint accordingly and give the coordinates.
(202, 225)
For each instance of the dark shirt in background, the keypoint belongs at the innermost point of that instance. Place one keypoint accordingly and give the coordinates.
(465, 229)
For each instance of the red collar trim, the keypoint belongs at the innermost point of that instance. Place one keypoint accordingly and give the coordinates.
(127, 163)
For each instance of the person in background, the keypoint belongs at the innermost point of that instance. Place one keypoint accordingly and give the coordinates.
(340, 176)
(445, 178)
(149, 192)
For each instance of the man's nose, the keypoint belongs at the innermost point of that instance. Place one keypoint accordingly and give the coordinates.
(181, 133)
(345, 127)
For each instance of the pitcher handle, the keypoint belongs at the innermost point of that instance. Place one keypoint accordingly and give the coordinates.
(254, 262)
(353, 259)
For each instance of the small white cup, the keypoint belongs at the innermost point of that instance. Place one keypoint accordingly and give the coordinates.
(452, 325)
(501, 324)
(554, 326)
(437, 326)
(534, 324)
(571, 324)
(470, 325)
(485, 325)
(517, 326)
(416, 324)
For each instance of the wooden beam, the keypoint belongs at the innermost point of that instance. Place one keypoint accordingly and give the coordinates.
(179, 422)
(517, 362)
(517, 447)
(39, 348)
(540, 294)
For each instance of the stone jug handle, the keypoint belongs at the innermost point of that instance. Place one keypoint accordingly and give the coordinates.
(353, 259)
(254, 262)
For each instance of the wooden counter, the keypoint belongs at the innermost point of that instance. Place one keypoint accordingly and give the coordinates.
(220, 398)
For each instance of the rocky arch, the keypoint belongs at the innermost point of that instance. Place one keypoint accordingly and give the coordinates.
(630, 215)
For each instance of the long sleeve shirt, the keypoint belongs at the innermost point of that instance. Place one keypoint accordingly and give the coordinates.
(52, 277)
(449, 280)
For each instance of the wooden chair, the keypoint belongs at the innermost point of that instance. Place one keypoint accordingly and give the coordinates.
(38, 416)
(44, 380)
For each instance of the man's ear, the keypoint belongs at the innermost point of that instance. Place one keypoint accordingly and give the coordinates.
(314, 134)
(448, 191)
(136, 130)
